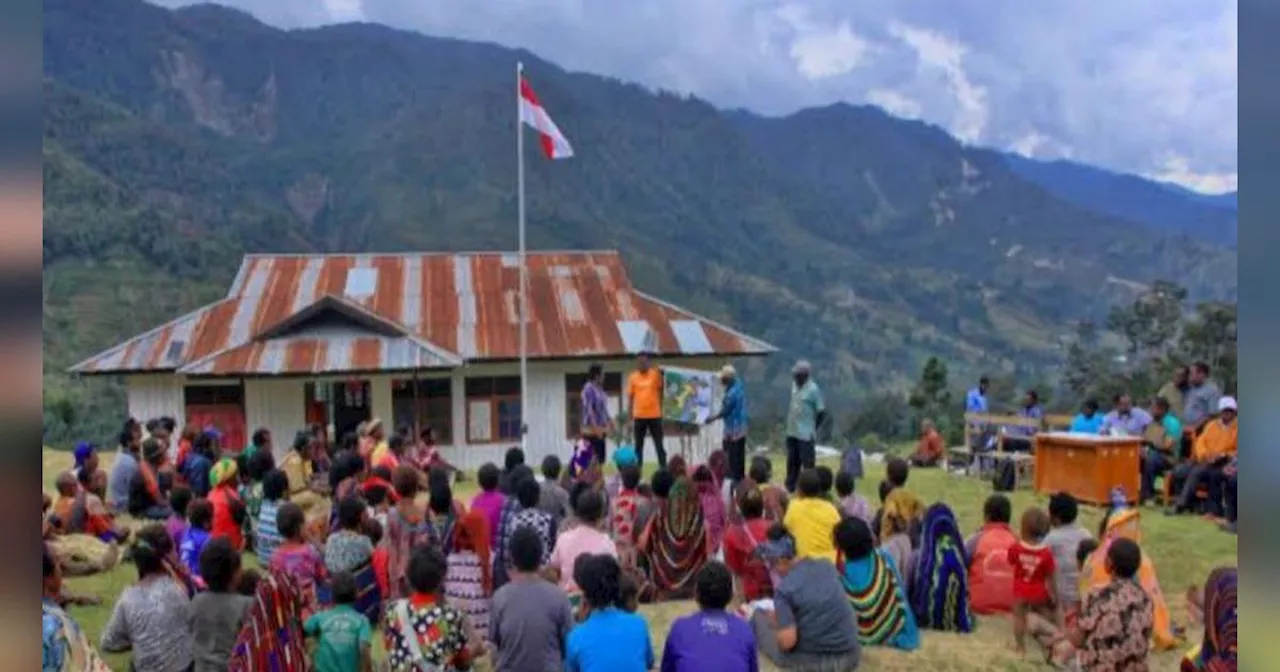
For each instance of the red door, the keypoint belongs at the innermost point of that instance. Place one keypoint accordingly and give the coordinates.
(226, 418)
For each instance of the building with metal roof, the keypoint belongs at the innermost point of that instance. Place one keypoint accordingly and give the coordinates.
(414, 339)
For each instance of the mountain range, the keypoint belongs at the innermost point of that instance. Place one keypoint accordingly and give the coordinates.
(177, 140)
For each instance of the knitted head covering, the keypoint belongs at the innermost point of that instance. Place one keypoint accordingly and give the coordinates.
(624, 456)
(84, 450)
(222, 471)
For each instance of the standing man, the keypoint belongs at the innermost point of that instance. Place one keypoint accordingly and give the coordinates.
(975, 400)
(1199, 403)
(805, 415)
(644, 398)
(1175, 390)
(733, 410)
(596, 423)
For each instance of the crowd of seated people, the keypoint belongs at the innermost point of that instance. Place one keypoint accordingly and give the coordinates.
(547, 573)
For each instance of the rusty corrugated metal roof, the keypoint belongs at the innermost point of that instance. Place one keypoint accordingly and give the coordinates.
(444, 309)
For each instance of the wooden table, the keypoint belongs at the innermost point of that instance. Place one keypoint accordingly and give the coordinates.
(1088, 466)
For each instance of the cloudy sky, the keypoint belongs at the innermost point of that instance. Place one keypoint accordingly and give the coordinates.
(1142, 86)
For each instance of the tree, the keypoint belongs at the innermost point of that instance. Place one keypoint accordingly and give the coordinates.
(1150, 324)
(931, 391)
(1210, 337)
(1087, 362)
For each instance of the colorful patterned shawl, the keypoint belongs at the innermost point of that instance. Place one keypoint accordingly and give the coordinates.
(1218, 651)
(271, 639)
(677, 542)
(940, 593)
(879, 600)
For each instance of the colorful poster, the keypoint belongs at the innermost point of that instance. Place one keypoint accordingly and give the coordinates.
(687, 395)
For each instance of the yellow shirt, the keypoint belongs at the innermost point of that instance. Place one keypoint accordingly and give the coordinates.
(1215, 441)
(812, 521)
(380, 453)
(298, 471)
(645, 391)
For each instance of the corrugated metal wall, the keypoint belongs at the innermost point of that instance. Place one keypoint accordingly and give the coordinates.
(154, 396)
(277, 404)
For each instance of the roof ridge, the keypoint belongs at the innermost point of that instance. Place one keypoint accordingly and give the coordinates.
(426, 253)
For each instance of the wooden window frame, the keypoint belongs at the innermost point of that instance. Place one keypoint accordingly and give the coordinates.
(499, 389)
(441, 419)
(217, 395)
(573, 384)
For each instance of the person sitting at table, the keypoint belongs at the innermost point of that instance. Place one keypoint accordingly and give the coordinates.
(1019, 438)
(1087, 421)
(1124, 419)
(1212, 450)
(930, 449)
(1163, 439)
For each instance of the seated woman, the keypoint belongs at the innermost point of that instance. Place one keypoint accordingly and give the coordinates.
(468, 583)
(676, 542)
(929, 450)
(229, 511)
(297, 466)
(1216, 607)
(151, 617)
(713, 510)
(146, 497)
(271, 635)
(1125, 523)
(940, 590)
(875, 589)
(990, 574)
(752, 581)
(81, 512)
(812, 626)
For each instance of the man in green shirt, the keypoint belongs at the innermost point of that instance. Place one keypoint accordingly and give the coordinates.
(345, 634)
(805, 414)
(1163, 439)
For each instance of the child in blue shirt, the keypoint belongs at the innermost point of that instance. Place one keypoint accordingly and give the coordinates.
(200, 519)
(608, 639)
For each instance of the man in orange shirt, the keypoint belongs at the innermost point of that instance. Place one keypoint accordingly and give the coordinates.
(1210, 453)
(644, 398)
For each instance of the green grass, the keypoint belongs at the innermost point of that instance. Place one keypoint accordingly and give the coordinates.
(1185, 549)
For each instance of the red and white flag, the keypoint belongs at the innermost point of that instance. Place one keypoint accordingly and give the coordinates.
(554, 144)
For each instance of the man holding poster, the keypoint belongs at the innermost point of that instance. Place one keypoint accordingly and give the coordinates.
(644, 399)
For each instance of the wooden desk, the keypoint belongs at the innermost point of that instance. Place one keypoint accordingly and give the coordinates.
(1088, 466)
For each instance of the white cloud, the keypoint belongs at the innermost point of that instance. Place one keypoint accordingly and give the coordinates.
(1177, 169)
(1124, 85)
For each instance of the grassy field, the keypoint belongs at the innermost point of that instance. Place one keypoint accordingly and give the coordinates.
(1185, 549)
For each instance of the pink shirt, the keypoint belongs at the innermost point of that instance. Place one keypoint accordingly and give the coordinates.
(490, 503)
(578, 541)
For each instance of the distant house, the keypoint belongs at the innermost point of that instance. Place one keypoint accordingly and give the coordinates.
(416, 339)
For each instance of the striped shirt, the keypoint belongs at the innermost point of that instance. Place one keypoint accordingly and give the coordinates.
(267, 535)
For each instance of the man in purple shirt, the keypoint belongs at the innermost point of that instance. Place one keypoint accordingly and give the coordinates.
(711, 638)
(596, 423)
(1124, 419)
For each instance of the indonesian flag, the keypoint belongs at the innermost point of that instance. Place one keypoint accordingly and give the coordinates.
(554, 144)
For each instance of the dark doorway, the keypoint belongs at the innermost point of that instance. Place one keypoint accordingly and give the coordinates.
(350, 406)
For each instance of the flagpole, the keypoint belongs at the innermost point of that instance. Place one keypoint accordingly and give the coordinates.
(524, 269)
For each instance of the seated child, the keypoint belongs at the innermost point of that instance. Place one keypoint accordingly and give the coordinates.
(298, 556)
(827, 480)
(180, 501)
(344, 634)
(812, 518)
(381, 557)
(901, 501)
(217, 613)
(1033, 566)
(199, 524)
(775, 498)
(347, 549)
(275, 488)
(990, 574)
(852, 504)
(1116, 621)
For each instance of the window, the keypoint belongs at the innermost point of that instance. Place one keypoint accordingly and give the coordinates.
(493, 409)
(213, 395)
(573, 384)
(430, 405)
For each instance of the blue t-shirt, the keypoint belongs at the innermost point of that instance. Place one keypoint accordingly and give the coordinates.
(1083, 425)
(610, 640)
(193, 542)
(710, 640)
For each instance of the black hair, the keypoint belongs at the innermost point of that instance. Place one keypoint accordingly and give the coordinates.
(526, 549)
(381, 471)
(1201, 367)
(826, 478)
(661, 483)
(551, 467)
(488, 476)
(372, 529)
(1091, 404)
(590, 507)
(600, 578)
(290, 520)
(428, 432)
(179, 499)
(984, 381)
(219, 562)
(375, 495)
(713, 586)
(151, 546)
(405, 481)
(351, 511)
(301, 439)
(703, 474)
(200, 513)
(396, 443)
(248, 583)
(346, 463)
(844, 484)
(884, 489)
(628, 592)
(1063, 508)
(342, 586)
(576, 492)
(997, 509)
(527, 492)
(1085, 549)
(1035, 396)
(809, 483)
(1161, 402)
(261, 463)
(427, 568)
(854, 538)
(260, 435)
(761, 470)
(777, 531)
(513, 458)
(897, 471)
(152, 425)
(350, 441)
(630, 476)
(595, 371)
(168, 423)
(1125, 557)
(440, 499)
(275, 485)
(50, 562)
(751, 503)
